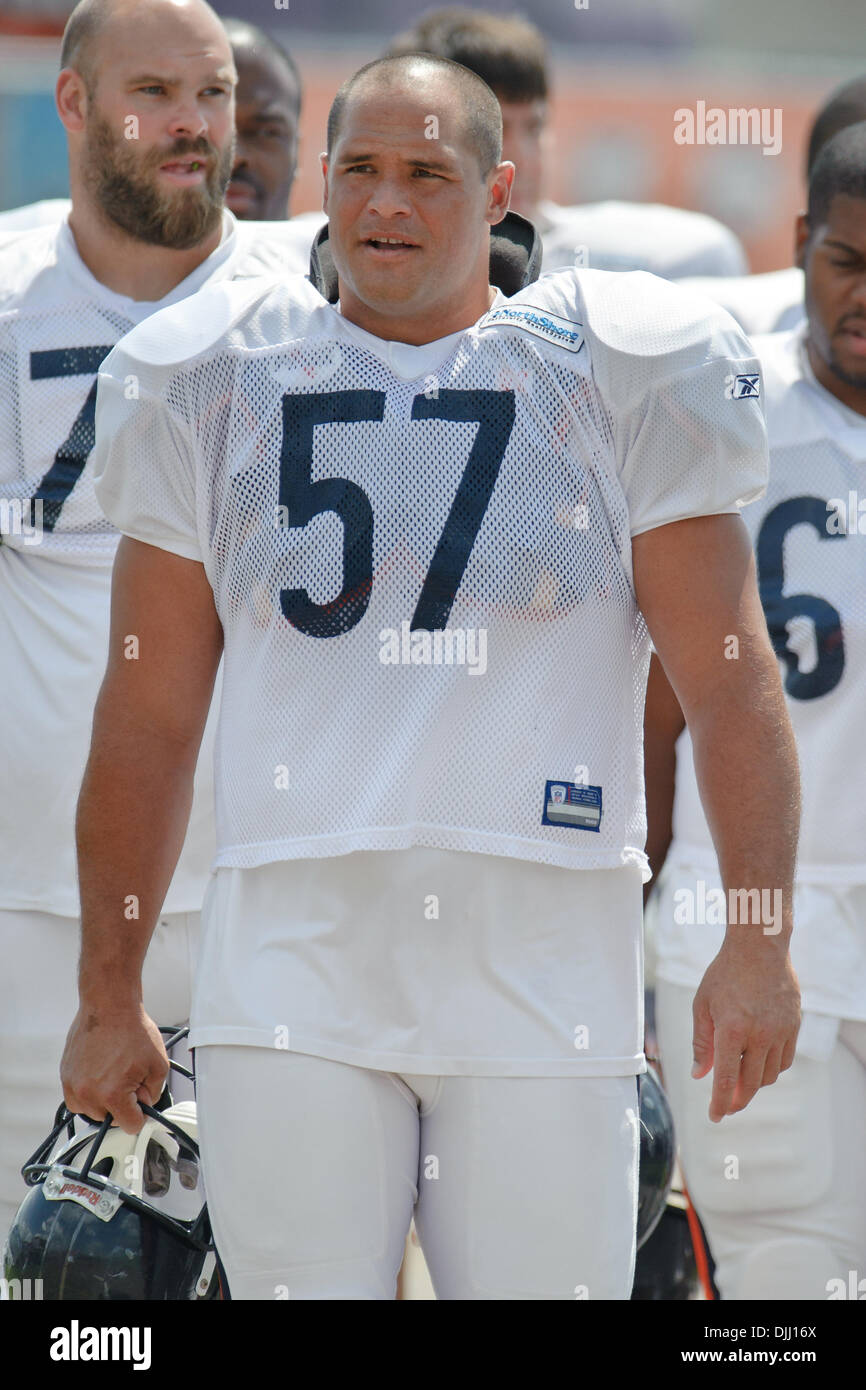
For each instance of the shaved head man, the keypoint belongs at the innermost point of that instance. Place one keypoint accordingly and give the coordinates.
(414, 179)
(267, 115)
(500, 468)
(146, 94)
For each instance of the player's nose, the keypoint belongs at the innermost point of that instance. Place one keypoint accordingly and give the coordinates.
(188, 119)
(389, 198)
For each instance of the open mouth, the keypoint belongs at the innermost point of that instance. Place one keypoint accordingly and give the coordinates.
(390, 245)
(188, 170)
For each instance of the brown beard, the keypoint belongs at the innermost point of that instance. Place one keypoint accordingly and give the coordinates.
(124, 186)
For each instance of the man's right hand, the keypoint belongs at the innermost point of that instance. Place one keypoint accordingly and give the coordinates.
(113, 1059)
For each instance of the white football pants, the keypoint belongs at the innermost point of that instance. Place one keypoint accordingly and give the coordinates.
(780, 1187)
(39, 1000)
(522, 1187)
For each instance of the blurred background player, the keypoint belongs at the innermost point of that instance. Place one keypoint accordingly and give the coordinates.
(510, 54)
(267, 118)
(148, 227)
(780, 1186)
(773, 302)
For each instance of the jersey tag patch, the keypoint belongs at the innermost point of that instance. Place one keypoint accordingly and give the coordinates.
(746, 385)
(568, 803)
(553, 329)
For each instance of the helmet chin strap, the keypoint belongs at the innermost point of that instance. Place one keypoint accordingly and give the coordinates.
(515, 258)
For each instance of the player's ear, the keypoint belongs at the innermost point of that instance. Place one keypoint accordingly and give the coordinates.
(500, 180)
(70, 94)
(323, 161)
(801, 238)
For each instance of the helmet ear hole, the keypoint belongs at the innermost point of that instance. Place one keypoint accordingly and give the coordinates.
(156, 1172)
(187, 1172)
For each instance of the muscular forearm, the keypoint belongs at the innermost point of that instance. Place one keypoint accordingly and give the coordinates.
(132, 816)
(747, 771)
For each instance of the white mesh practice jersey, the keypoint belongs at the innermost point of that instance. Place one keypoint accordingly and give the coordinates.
(57, 322)
(421, 555)
(666, 241)
(47, 212)
(809, 533)
(770, 303)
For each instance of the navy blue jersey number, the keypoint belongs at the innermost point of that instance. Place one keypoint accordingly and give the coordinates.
(304, 499)
(779, 608)
(73, 453)
(494, 411)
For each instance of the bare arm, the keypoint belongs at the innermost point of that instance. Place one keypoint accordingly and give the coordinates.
(663, 722)
(132, 816)
(695, 583)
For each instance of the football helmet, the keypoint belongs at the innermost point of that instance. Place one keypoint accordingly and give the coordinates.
(666, 1269)
(658, 1154)
(115, 1216)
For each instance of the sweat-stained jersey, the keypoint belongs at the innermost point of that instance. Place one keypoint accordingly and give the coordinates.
(667, 241)
(809, 534)
(57, 323)
(421, 556)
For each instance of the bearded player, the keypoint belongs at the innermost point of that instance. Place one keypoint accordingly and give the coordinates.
(147, 229)
(423, 558)
(267, 117)
(781, 1192)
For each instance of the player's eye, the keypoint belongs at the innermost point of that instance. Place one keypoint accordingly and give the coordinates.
(846, 264)
(215, 91)
(151, 87)
(427, 173)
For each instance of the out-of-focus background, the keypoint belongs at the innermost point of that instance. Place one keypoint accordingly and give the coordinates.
(622, 68)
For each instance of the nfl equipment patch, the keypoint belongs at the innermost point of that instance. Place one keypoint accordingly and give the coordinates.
(568, 803)
(553, 329)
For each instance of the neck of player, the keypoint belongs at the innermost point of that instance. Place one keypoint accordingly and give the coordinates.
(412, 327)
(128, 266)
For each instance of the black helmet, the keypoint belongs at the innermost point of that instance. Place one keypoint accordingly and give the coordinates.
(116, 1216)
(658, 1152)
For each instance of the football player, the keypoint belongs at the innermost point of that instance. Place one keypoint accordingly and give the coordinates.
(510, 55)
(773, 301)
(146, 97)
(267, 115)
(780, 1191)
(421, 522)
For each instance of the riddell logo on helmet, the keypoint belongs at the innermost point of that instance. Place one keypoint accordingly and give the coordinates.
(79, 1190)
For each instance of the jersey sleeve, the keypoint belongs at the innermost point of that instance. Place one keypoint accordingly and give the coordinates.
(143, 456)
(684, 390)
